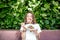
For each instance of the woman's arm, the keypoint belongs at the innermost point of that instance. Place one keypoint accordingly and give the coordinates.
(23, 29)
(37, 31)
(37, 34)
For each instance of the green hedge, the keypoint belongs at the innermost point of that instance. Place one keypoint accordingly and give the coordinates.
(12, 13)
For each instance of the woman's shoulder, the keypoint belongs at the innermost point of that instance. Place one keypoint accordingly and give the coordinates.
(37, 25)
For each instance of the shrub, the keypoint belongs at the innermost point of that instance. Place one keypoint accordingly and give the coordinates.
(46, 11)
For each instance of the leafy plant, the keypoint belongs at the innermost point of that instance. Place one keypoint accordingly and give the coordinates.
(12, 12)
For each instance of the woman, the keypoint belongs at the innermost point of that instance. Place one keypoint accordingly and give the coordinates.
(29, 28)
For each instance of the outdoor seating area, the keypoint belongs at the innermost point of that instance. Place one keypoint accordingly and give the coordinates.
(16, 35)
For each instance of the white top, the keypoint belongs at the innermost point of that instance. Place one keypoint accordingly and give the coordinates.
(31, 35)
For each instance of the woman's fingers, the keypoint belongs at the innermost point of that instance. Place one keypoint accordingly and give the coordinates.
(32, 30)
(22, 24)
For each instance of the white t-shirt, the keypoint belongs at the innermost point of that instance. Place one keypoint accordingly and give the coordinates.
(31, 35)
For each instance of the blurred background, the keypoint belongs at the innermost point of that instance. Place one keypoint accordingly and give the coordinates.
(47, 13)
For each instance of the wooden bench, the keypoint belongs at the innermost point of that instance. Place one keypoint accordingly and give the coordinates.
(15, 35)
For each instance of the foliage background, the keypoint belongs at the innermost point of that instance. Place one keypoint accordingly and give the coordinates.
(47, 13)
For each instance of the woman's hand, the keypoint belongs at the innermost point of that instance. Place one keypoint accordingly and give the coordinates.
(22, 24)
(35, 31)
(24, 28)
(31, 30)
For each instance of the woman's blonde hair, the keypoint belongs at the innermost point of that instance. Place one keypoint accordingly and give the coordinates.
(33, 17)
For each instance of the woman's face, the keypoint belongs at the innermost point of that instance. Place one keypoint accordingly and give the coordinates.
(29, 18)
